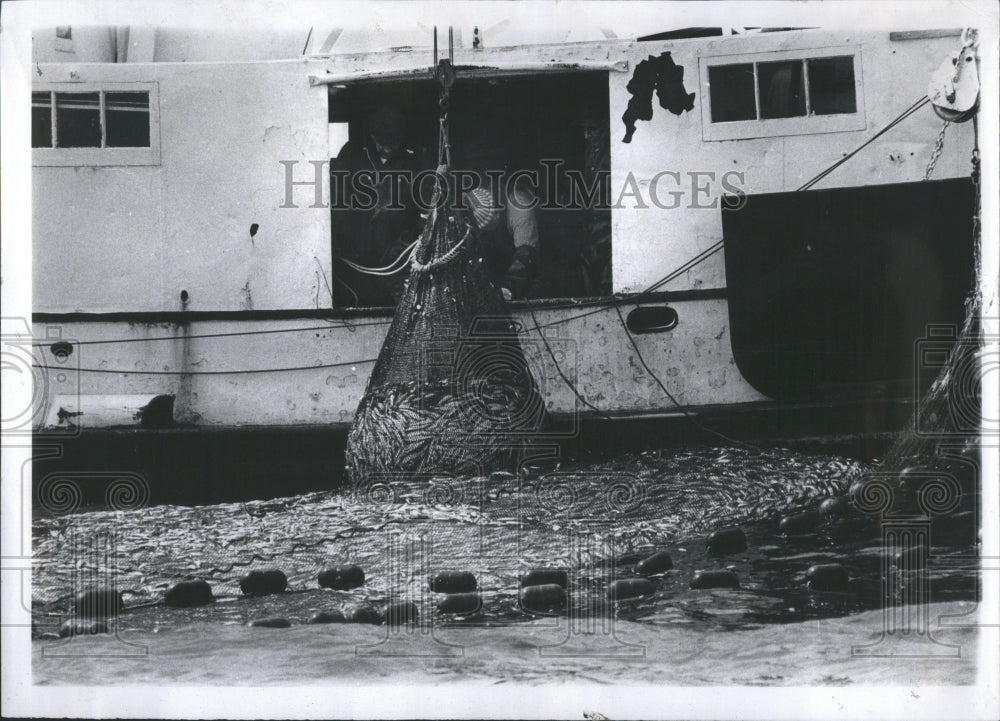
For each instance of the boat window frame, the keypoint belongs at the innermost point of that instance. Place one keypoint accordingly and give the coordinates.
(332, 83)
(776, 127)
(106, 156)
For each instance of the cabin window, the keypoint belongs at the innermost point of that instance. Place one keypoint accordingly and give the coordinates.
(782, 93)
(86, 124)
(739, 102)
(545, 138)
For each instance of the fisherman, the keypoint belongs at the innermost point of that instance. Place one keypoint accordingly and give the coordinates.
(373, 212)
(595, 255)
(508, 236)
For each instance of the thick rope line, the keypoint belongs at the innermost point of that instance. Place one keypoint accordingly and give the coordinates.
(567, 381)
(669, 395)
(249, 371)
(391, 269)
(900, 118)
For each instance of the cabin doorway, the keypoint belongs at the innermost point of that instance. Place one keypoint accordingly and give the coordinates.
(549, 132)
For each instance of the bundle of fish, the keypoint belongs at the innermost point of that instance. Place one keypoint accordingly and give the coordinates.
(415, 429)
(451, 391)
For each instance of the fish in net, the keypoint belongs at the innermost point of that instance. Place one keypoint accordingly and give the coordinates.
(451, 390)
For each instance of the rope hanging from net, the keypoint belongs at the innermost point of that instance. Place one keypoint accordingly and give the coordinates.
(452, 391)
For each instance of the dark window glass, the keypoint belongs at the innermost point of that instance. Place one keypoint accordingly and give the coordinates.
(732, 93)
(831, 85)
(782, 89)
(78, 120)
(127, 117)
(41, 120)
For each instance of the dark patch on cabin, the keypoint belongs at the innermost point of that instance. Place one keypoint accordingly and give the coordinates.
(664, 76)
(832, 293)
(158, 413)
(65, 416)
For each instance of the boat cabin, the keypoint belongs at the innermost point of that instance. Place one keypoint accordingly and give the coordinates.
(178, 199)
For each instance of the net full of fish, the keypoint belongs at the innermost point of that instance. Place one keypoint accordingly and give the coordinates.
(415, 429)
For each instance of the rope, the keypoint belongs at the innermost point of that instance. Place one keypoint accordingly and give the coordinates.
(700, 258)
(345, 284)
(900, 118)
(567, 381)
(391, 269)
(689, 416)
(638, 297)
(452, 253)
(204, 373)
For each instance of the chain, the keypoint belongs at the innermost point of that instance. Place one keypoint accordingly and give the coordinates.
(938, 147)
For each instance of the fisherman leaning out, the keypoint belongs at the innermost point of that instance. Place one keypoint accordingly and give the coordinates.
(380, 191)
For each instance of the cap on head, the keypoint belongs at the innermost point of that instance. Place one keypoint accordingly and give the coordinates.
(592, 116)
(484, 210)
(388, 126)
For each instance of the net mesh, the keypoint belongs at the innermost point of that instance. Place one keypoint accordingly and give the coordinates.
(944, 430)
(451, 390)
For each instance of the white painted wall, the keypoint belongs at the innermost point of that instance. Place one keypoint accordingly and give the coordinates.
(320, 368)
(895, 74)
(131, 238)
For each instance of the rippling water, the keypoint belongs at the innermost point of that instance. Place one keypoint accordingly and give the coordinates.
(596, 519)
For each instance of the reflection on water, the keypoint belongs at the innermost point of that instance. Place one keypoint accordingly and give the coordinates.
(595, 519)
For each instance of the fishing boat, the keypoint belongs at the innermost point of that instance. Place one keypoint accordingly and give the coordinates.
(789, 219)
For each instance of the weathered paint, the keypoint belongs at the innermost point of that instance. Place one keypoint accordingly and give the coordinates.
(321, 368)
(651, 242)
(132, 238)
(98, 411)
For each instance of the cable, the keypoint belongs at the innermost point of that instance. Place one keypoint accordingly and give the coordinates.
(249, 371)
(900, 118)
(394, 267)
(669, 395)
(638, 297)
(562, 375)
(345, 284)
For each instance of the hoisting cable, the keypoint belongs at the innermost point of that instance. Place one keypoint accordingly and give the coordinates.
(691, 264)
(391, 269)
(638, 297)
(567, 381)
(900, 118)
(690, 416)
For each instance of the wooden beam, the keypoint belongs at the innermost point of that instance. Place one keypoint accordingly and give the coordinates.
(424, 72)
(925, 34)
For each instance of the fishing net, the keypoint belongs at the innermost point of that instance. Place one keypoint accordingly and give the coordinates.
(944, 430)
(451, 391)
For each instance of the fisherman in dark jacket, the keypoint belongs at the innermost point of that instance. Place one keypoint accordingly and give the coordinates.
(373, 214)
